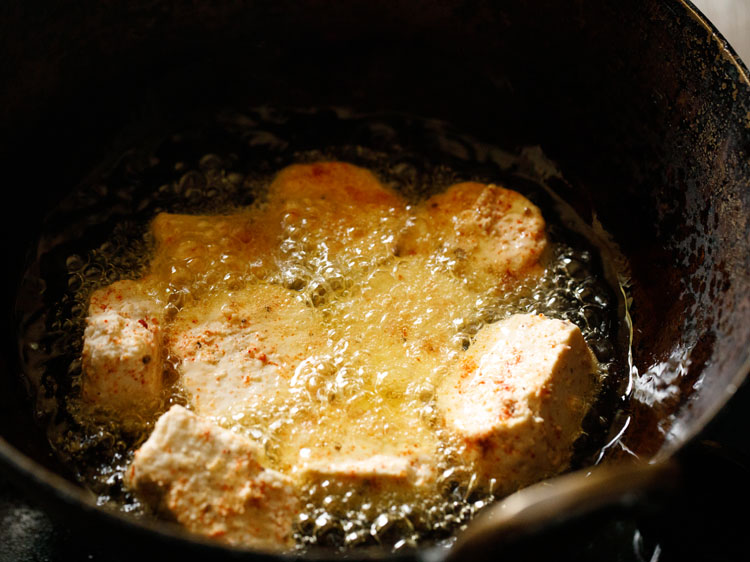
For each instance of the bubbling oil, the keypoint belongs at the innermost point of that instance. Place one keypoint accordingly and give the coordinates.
(378, 389)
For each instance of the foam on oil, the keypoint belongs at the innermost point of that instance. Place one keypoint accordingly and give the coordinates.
(377, 385)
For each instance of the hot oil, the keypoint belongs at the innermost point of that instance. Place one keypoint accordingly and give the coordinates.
(392, 393)
(374, 389)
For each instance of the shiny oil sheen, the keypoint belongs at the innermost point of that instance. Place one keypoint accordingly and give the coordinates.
(226, 164)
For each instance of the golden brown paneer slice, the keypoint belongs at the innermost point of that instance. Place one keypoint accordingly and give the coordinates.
(122, 357)
(237, 351)
(338, 211)
(380, 479)
(199, 251)
(489, 234)
(519, 397)
(211, 481)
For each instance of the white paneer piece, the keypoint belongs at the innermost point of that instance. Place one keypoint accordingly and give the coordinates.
(122, 360)
(238, 351)
(378, 478)
(518, 399)
(210, 480)
(491, 234)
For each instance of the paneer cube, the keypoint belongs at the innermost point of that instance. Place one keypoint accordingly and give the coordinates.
(518, 399)
(493, 235)
(339, 212)
(211, 481)
(238, 351)
(380, 478)
(122, 359)
(199, 251)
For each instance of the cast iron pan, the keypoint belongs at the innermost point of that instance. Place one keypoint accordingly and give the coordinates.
(642, 105)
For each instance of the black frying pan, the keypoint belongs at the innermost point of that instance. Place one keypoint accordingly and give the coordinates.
(642, 105)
